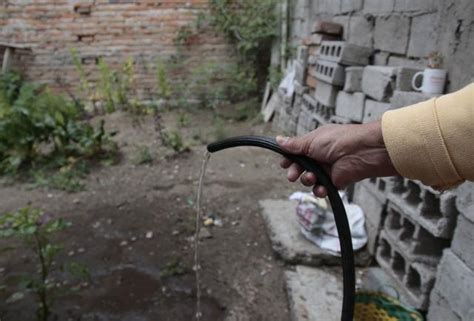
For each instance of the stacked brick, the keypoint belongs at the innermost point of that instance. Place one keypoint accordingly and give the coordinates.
(452, 298)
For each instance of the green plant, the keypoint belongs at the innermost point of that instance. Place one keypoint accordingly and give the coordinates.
(163, 87)
(275, 76)
(143, 156)
(36, 231)
(220, 131)
(173, 268)
(174, 140)
(39, 128)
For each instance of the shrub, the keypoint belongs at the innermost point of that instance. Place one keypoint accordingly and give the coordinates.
(37, 126)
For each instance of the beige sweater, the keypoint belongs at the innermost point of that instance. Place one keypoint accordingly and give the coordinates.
(433, 141)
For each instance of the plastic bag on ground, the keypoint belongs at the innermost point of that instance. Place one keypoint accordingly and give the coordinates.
(318, 225)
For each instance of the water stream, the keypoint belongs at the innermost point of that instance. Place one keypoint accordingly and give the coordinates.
(197, 267)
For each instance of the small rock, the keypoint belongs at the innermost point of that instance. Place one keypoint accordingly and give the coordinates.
(2, 270)
(109, 221)
(81, 250)
(209, 222)
(71, 253)
(50, 195)
(204, 233)
(123, 243)
(175, 232)
(96, 225)
(149, 235)
(234, 223)
(134, 239)
(76, 201)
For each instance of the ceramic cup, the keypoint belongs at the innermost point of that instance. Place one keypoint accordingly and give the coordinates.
(433, 82)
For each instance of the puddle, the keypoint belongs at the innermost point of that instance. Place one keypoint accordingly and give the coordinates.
(134, 295)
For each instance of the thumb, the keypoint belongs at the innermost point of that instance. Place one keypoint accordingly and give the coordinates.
(294, 145)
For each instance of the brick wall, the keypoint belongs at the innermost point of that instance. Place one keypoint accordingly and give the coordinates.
(143, 30)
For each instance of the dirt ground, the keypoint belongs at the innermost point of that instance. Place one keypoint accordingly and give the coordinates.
(131, 276)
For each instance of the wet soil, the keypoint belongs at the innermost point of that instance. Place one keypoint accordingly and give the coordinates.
(133, 227)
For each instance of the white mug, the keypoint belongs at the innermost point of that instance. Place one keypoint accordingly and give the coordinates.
(434, 81)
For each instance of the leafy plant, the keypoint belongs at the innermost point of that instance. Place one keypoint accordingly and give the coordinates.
(143, 156)
(164, 90)
(173, 268)
(36, 231)
(174, 140)
(38, 127)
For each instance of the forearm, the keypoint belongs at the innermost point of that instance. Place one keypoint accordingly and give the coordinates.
(433, 141)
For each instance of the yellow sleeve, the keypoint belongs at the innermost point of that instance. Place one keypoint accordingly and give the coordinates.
(433, 141)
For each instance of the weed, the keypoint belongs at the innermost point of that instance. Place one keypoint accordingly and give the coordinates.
(36, 231)
(174, 139)
(220, 131)
(163, 87)
(143, 156)
(173, 268)
(38, 127)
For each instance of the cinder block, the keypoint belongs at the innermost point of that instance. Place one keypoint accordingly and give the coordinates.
(351, 5)
(416, 6)
(465, 200)
(407, 98)
(344, 53)
(300, 89)
(378, 82)
(330, 72)
(360, 31)
(374, 110)
(383, 186)
(396, 61)
(340, 120)
(405, 77)
(417, 244)
(353, 80)
(306, 122)
(344, 22)
(434, 211)
(328, 27)
(302, 55)
(455, 281)
(350, 106)
(374, 208)
(323, 113)
(439, 309)
(326, 94)
(311, 81)
(300, 72)
(381, 58)
(463, 241)
(317, 38)
(312, 60)
(378, 6)
(424, 34)
(374, 211)
(392, 33)
(415, 280)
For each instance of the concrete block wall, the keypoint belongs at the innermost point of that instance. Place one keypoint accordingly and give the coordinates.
(144, 31)
(452, 295)
(409, 225)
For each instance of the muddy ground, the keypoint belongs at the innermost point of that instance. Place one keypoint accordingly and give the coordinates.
(136, 278)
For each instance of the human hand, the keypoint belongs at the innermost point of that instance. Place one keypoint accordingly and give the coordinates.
(348, 153)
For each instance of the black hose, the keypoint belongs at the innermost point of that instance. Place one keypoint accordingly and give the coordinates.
(342, 224)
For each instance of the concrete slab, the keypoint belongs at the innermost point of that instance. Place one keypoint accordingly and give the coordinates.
(314, 294)
(290, 244)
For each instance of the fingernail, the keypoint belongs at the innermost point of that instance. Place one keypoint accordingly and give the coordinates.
(282, 139)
